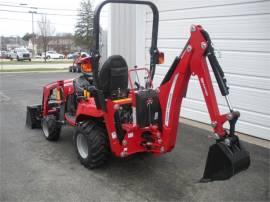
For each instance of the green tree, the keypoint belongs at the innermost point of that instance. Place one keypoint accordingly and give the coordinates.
(84, 26)
(27, 37)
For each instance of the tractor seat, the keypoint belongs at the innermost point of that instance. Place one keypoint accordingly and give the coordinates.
(113, 77)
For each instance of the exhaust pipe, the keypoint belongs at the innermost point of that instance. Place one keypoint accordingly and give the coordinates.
(226, 158)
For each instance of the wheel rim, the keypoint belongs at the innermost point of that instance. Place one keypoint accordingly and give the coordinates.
(82, 146)
(45, 128)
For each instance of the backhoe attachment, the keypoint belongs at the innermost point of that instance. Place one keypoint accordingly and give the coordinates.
(227, 156)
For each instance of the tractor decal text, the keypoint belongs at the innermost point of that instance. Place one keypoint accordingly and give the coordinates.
(203, 86)
(168, 107)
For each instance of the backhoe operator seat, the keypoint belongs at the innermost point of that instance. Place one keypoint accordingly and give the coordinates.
(113, 77)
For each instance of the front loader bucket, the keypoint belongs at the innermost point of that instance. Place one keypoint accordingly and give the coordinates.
(33, 116)
(225, 159)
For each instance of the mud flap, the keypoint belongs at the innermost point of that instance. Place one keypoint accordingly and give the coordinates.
(33, 116)
(225, 159)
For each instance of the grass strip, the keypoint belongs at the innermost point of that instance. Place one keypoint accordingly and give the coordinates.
(33, 69)
(35, 62)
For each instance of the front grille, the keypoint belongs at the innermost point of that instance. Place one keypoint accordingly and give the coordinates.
(26, 55)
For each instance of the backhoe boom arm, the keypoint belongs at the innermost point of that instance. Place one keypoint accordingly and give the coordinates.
(192, 61)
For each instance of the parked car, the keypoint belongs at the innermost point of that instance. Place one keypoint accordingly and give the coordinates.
(38, 56)
(8, 54)
(20, 54)
(4, 55)
(74, 55)
(53, 55)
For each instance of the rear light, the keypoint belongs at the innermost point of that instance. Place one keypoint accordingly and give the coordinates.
(86, 67)
(160, 58)
(86, 64)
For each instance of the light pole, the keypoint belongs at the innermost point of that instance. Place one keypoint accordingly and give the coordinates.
(33, 32)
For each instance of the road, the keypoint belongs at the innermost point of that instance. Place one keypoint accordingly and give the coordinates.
(33, 169)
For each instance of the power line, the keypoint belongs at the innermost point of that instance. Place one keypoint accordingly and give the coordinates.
(11, 2)
(16, 19)
(13, 11)
(40, 8)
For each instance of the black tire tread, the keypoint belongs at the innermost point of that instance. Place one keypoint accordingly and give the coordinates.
(54, 130)
(97, 143)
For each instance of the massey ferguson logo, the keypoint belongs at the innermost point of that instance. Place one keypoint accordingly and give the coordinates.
(204, 87)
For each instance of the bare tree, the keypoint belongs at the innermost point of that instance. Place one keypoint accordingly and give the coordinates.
(46, 30)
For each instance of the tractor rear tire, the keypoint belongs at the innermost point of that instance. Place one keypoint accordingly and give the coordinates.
(51, 128)
(73, 69)
(91, 143)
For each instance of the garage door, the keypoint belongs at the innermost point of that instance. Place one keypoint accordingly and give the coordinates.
(240, 31)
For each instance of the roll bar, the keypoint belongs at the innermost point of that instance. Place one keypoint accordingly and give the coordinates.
(153, 49)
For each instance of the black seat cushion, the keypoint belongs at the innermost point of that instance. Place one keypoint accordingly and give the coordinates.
(113, 76)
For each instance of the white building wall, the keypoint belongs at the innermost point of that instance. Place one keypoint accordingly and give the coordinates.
(240, 31)
(127, 33)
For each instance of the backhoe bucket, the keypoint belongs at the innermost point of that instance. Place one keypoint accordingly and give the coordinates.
(225, 159)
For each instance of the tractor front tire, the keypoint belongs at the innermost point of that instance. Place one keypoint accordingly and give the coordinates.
(91, 143)
(79, 69)
(51, 128)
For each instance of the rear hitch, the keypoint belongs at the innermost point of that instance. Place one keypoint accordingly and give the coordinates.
(226, 158)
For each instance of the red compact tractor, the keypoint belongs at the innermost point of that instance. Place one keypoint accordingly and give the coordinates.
(116, 114)
(76, 66)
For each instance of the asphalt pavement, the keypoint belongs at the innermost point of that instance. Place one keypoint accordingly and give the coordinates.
(33, 169)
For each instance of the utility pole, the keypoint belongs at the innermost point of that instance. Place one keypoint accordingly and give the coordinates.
(33, 31)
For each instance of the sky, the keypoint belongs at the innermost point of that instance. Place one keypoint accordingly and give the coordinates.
(61, 13)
